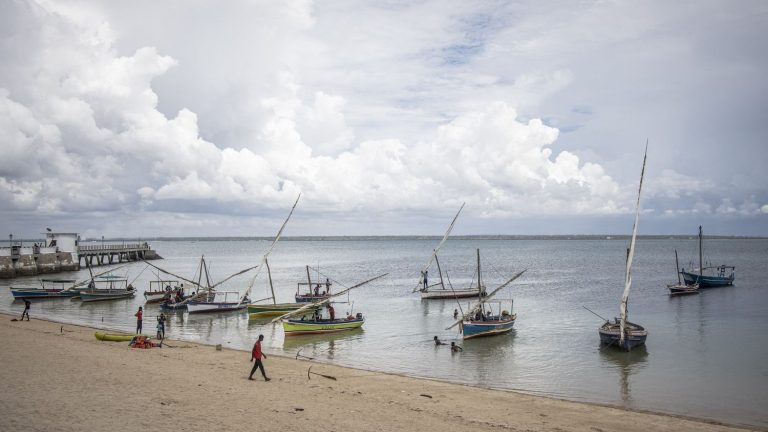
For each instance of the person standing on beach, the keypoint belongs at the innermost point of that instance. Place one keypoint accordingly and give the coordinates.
(138, 316)
(256, 354)
(162, 326)
(27, 305)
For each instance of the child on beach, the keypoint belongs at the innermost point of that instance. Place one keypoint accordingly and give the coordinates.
(139, 316)
(27, 305)
(159, 332)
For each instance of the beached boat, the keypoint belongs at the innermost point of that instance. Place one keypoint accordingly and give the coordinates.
(108, 287)
(481, 319)
(114, 337)
(50, 288)
(438, 291)
(711, 276)
(622, 333)
(680, 288)
(312, 322)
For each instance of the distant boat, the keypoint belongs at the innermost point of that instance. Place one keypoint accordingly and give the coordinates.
(217, 301)
(439, 291)
(108, 287)
(680, 288)
(708, 277)
(50, 288)
(480, 320)
(160, 290)
(621, 332)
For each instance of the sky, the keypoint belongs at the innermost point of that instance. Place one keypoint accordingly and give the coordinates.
(204, 118)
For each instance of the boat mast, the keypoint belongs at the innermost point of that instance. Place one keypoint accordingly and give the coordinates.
(440, 272)
(269, 275)
(628, 273)
(420, 285)
(479, 282)
(309, 281)
(701, 265)
(677, 264)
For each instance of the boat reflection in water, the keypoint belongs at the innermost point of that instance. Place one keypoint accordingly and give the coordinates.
(626, 363)
(320, 346)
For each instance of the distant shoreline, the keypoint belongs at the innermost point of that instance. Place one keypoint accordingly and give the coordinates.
(424, 237)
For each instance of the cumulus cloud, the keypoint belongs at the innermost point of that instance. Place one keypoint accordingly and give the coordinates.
(84, 131)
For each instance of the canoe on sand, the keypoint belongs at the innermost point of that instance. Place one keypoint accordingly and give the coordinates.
(114, 337)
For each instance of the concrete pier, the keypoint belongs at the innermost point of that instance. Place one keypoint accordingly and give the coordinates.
(95, 255)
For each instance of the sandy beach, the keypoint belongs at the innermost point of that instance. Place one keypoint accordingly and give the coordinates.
(58, 377)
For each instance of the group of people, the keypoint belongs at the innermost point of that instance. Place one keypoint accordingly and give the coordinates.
(161, 319)
(454, 347)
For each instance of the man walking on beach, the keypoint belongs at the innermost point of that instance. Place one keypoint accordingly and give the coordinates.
(138, 316)
(27, 304)
(256, 354)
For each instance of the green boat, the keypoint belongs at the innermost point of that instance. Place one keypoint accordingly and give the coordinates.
(303, 327)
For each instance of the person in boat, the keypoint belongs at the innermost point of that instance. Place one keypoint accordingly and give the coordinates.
(327, 285)
(331, 312)
(317, 289)
(455, 348)
(438, 342)
(167, 288)
(425, 276)
(455, 313)
(257, 354)
(27, 305)
(139, 315)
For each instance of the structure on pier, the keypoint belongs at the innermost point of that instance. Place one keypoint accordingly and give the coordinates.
(64, 252)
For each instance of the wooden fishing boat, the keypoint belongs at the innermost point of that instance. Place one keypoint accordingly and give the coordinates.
(680, 288)
(481, 320)
(311, 321)
(161, 290)
(439, 291)
(218, 301)
(114, 337)
(108, 287)
(711, 276)
(276, 309)
(298, 327)
(50, 288)
(622, 333)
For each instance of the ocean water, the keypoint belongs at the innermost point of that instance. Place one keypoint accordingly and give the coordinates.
(706, 355)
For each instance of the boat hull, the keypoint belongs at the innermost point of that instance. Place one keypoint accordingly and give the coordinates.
(114, 337)
(92, 296)
(203, 307)
(298, 327)
(154, 296)
(705, 281)
(442, 294)
(309, 298)
(682, 289)
(37, 293)
(265, 310)
(610, 334)
(493, 327)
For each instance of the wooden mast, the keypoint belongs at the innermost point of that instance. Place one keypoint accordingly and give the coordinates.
(309, 281)
(420, 284)
(701, 264)
(479, 281)
(677, 269)
(269, 275)
(440, 272)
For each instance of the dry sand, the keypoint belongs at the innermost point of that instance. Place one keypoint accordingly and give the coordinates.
(54, 380)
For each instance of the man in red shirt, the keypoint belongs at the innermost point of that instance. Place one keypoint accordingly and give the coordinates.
(256, 354)
(138, 316)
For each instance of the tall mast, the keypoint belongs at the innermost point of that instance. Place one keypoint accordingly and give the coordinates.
(437, 248)
(269, 275)
(440, 272)
(309, 280)
(701, 265)
(677, 269)
(628, 272)
(479, 279)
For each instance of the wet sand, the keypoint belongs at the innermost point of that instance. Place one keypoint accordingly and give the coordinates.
(58, 377)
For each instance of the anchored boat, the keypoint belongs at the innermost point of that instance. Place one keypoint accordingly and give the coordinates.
(711, 276)
(622, 333)
(439, 290)
(50, 288)
(481, 319)
(680, 288)
(108, 287)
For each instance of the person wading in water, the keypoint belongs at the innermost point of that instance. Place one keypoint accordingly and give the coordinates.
(256, 354)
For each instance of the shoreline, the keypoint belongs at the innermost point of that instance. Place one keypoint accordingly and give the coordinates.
(390, 401)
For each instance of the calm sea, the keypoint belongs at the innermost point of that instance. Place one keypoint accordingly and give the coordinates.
(706, 355)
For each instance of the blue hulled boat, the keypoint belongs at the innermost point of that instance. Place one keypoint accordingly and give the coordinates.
(708, 277)
(51, 288)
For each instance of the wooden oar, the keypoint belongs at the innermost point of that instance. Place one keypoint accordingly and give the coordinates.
(488, 297)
